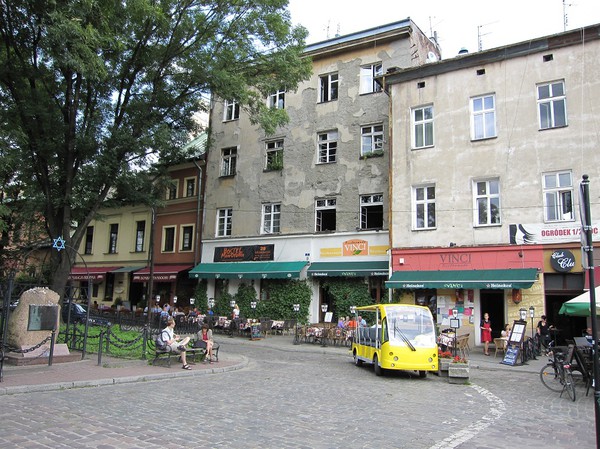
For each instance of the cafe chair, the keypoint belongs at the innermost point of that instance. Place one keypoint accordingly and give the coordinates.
(500, 344)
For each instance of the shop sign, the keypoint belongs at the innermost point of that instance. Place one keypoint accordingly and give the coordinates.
(249, 253)
(562, 260)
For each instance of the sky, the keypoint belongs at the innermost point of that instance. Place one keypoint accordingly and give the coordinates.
(458, 23)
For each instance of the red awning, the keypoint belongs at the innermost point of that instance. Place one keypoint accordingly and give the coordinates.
(83, 273)
(162, 273)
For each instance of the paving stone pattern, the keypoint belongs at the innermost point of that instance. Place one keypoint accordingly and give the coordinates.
(303, 397)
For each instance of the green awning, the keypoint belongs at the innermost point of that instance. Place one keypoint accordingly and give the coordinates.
(349, 269)
(473, 279)
(248, 270)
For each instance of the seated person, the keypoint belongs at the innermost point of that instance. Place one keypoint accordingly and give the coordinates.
(505, 332)
(205, 340)
(174, 342)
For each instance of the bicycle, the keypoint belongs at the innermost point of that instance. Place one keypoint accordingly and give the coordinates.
(557, 375)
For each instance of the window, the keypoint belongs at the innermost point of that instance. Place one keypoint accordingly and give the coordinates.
(187, 237)
(423, 127)
(552, 105)
(367, 78)
(558, 196)
(371, 139)
(274, 155)
(168, 239)
(190, 187)
(487, 202)
(277, 100)
(328, 87)
(112, 238)
(172, 189)
(140, 230)
(89, 239)
(327, 146)
(483, 117)
(224, 217)
(325, 209)
(271, 218)
(371, 211)
(424, 207)
(231, 110)
(228, 161)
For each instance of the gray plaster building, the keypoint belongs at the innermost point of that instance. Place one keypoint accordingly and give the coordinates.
(312, 200)
(487, 152)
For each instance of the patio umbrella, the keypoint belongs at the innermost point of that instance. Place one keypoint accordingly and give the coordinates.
(580, 305)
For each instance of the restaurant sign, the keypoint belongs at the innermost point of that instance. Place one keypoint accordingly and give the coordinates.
(249, 253)
(562, 260)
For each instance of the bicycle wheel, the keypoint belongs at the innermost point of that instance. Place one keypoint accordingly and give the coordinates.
(551, 378)
(570, 384)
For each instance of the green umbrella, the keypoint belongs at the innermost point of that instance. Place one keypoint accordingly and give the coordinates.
(580, 305)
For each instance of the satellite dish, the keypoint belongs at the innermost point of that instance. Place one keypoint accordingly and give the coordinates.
(431, 57)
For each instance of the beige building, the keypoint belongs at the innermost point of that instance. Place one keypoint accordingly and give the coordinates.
(487, 154)
(312, 199)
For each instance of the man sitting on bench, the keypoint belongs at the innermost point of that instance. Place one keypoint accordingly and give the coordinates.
(173, 341)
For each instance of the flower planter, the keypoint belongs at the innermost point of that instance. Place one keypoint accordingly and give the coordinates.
(443, 365)
(458, 373)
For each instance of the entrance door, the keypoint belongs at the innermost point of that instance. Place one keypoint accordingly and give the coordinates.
(492, 302)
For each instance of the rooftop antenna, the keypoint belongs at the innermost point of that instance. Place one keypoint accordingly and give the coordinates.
(565, 15)
(480, 35)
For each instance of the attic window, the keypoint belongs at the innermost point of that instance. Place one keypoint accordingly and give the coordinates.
(548, 58)
(480, 72)
(420, 84)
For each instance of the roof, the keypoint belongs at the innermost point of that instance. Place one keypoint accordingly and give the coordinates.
(520, 49)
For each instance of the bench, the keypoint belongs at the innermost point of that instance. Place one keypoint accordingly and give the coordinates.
(194, 353)
(162, 354)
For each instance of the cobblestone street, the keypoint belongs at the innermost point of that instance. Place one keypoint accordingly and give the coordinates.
(307, 397)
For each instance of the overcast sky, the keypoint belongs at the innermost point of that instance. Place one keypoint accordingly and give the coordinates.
(502, 22)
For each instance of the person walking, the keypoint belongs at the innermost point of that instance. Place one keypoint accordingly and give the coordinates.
(486, 333)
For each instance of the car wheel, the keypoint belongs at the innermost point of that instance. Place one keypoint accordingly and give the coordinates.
(378, 369)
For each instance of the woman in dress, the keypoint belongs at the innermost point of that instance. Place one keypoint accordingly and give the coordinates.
(205, 340)
(486, 333)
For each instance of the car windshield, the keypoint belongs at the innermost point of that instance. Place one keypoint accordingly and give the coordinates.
(78, 308)
(410, 326)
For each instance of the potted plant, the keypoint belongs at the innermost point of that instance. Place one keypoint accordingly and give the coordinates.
(444, 359)
(458, 370)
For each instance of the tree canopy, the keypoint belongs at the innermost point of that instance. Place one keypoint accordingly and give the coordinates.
(92, 91)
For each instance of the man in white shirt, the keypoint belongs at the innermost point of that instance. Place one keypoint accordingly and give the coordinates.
(174, 342)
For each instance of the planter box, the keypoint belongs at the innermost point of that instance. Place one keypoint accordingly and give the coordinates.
(458, 373)
(443, 365)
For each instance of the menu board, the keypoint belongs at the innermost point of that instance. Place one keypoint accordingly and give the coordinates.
(514, 343)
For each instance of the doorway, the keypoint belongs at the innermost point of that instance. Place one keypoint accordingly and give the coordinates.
(492, 302)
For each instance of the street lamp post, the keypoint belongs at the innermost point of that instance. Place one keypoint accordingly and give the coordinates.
(296, 310)
(531, 315)
(232, 323)
(323, 331)
(455, 325)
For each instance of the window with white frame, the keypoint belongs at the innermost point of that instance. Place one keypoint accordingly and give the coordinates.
(371, 211)
(367, 78)
(371, 139)
(112, 238)
(228, 161)
(487, 202)
(277, 100)
(190, 186)
(328, 87)
(187, 237)
(558, 196)
(172, 189)
(140, 234)
(483, 117)
(552, 105)
(325, 214)
(422, 127)
(231, 110)
(168, 239)
(424, 207)
(271, 218)
(327, 147)
(224, 221)
(274, 155)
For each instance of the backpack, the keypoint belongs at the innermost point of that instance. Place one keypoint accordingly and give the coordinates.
(161, 345)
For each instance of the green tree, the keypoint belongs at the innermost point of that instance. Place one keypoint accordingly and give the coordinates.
(347, 293)
(282, 295)
(93, 91)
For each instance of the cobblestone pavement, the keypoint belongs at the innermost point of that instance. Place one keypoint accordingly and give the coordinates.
(304, 397)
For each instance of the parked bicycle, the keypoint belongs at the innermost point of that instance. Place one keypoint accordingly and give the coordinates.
(557, 375)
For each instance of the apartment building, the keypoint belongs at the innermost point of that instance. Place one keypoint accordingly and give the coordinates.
(487, 152)
(312, 200)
